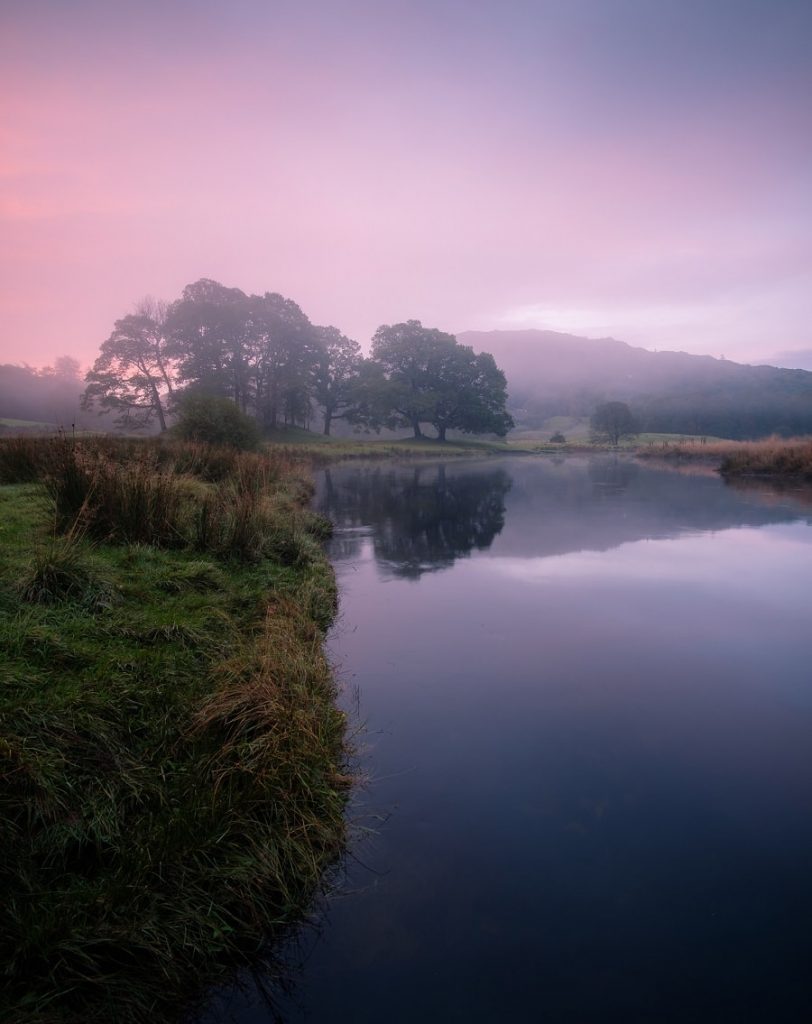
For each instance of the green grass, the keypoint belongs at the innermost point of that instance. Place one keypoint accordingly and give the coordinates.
(319, 449)
(172, 778)
(26, 424)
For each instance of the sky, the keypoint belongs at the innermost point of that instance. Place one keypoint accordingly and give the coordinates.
(634, 168)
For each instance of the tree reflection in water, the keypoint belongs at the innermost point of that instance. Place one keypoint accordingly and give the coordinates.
(421, 519)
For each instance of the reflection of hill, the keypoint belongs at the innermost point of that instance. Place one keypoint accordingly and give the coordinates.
(422, 517)
(597, 504)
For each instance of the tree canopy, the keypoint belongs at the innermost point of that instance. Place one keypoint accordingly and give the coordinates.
(262, 353)
(133, 375)
(613, 421)
(431, 378)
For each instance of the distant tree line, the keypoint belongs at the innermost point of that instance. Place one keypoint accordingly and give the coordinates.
(49, 395)
(750, 402)
(262, 353)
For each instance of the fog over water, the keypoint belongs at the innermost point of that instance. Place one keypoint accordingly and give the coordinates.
(588, 715)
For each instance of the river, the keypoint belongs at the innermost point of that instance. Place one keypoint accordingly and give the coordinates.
(587, 703)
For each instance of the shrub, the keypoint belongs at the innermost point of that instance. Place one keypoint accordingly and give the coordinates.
(216, 421)
(558, 438)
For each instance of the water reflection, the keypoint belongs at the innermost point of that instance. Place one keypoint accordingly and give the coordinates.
(590, 743)
(421, 518)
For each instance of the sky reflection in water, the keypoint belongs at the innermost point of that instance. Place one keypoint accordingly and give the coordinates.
(589, 714)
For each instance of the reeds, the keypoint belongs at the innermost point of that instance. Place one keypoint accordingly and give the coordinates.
(777, 457)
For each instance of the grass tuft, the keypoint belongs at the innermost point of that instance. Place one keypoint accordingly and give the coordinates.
(61, 572)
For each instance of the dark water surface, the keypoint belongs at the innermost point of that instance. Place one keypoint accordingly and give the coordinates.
(588, 700)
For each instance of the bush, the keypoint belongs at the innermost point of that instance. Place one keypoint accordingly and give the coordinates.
(216, 421)
(558, 438)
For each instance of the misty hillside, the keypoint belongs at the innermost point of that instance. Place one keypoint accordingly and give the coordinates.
(553, 374)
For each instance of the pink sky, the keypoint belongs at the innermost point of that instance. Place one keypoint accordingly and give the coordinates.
(595, 166)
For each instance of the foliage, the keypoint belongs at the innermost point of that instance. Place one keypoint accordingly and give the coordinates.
(215, 421)
(260, 351)
(133, 375)
(429, 378)
(558, 438)
(337, 377)
(613, 421)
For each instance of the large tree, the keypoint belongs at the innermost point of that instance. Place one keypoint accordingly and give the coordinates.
(258, 350)
(471, 392)
(613, 421)
(432, 379)
(409, 356)
(337, 376)
(208, 328)
(133, 375)
(286, 351)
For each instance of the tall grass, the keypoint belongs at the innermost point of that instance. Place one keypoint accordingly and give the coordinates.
(786, 459)
(150, 492)
(777, 457)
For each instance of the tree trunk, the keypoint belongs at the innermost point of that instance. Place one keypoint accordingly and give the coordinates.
(441, 432)
(328, 419)
(156, 398)
(416, 427)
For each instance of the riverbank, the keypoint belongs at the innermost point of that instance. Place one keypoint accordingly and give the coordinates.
(775, 458)
(173, 772)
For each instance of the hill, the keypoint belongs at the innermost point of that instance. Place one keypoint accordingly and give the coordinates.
(553, 374)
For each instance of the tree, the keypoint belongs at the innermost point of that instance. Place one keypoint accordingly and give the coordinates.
(471, 393)
(613, 421)
(409, 355)
(259, 350)
(430, 378)
(208, 336)
(337, 375)
(133, 375)
(286, 353)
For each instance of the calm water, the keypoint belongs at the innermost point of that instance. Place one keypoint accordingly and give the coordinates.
(588, 704)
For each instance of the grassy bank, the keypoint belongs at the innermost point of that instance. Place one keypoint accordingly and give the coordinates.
(320, 450)
(171, 756)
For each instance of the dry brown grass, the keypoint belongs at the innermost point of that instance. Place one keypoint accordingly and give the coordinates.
(780, 457)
